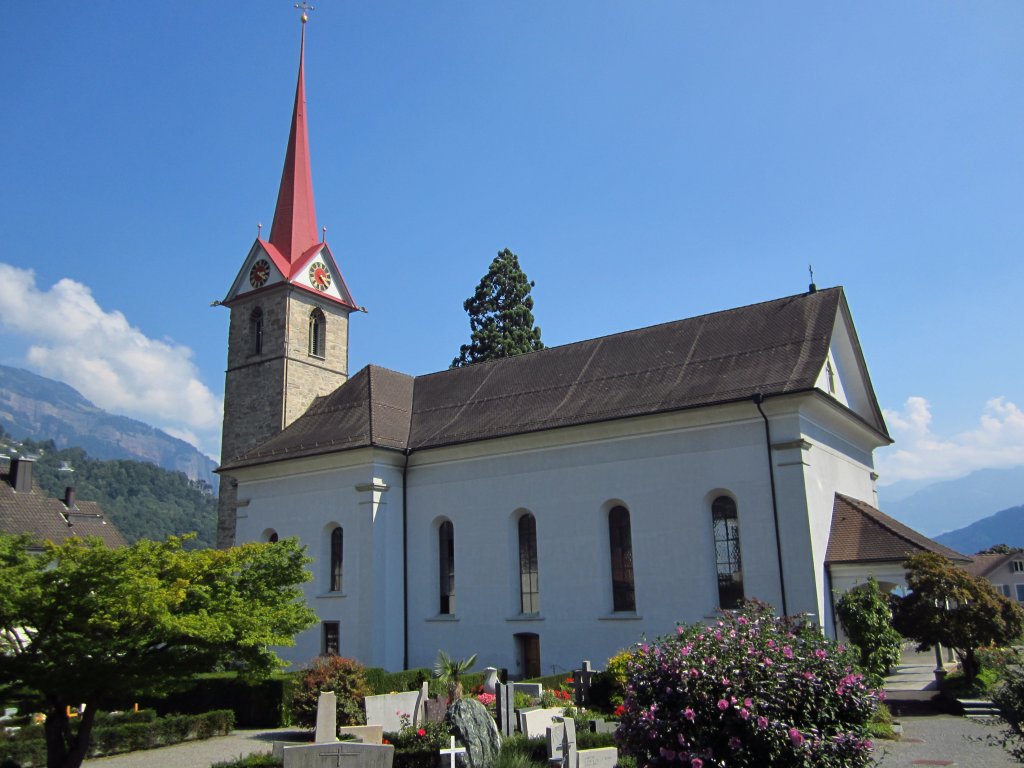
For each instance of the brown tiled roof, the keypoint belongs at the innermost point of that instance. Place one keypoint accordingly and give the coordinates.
(47, 519)
(983, 565)
(773, 348)
(860, 533)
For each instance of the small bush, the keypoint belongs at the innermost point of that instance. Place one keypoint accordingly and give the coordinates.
(755, 690)
(346, 677)
(252, 761)
(381, 681)
(866, 616)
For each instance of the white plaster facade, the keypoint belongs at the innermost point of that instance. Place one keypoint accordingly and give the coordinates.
(666, 469)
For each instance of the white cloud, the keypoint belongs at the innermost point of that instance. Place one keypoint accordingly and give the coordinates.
(109, 361)
(920, 454)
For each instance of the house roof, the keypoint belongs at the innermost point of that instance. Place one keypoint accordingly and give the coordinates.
(48, 519)
(983, 565)
(860, 533)
(772, 348)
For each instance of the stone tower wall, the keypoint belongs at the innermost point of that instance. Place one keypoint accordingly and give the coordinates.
(265, 392)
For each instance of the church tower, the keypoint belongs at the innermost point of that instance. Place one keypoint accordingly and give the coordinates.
(288, 335)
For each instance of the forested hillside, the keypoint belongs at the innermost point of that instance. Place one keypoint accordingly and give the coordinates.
(143, 500)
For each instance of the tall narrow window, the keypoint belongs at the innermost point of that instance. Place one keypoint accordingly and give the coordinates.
(623, 596)
(256, 331)
(317, 332)
(331, 638)
(337, 541)
(446, 555)
(727, 552)
(529, 586)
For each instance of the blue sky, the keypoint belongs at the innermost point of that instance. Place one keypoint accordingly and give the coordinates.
(647, 161)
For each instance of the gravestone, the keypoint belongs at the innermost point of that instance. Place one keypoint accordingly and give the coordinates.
(534, 723)
(562, 744)
(603, 726)
(342, 754)
(473, 726)
(421, 700)
(366, 734)
(326, 718)
(581, 684)
(605, 757)
(505, 702)
(434, 709)
(387, 710)
(534, 690)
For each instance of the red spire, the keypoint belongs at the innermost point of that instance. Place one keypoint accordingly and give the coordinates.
(294, 229)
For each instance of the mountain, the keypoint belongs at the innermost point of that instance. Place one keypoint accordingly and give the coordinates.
(1006, 527)
(952, 504)
(35, 407)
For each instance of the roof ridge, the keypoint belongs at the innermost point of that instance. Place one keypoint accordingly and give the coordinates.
(634, 331)
(885, 521)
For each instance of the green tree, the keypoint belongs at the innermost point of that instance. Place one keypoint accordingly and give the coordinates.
(949, 606)
(84, 624)
(500, 314)
(866, 616)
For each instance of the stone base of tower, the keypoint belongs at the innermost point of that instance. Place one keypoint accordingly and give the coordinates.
(227, 512)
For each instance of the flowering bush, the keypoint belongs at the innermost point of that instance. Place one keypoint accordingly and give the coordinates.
(487, 699)
(754, 690)
(346, 677)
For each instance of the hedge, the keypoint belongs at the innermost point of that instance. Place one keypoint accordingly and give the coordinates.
(114, 734)
(255, 703)
(382, 681)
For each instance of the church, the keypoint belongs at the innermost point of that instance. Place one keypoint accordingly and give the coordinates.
(555, 506)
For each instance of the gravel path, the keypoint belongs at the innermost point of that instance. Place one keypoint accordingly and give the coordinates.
(197, 754)
(944, 740)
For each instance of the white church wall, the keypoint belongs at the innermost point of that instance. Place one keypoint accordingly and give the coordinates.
(666, 479)
(305, 498)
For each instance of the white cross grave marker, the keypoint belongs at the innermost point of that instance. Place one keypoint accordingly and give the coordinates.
(453, 752)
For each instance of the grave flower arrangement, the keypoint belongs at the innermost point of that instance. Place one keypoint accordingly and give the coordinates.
(751, 690)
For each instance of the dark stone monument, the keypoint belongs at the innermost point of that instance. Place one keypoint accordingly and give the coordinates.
(581, 684)
(473, 726)
(506, 708)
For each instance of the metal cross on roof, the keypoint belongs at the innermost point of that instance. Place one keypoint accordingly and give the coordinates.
(305, 8)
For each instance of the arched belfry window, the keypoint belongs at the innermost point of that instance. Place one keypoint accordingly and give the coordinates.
(256, 331)
(529, 584)
(446, 558)
(337, 544)
(317, 333)
(623, 595)
(727, 552)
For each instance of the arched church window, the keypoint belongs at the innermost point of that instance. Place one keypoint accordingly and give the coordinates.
(727, 552)
(529, 584)
(337, 542)
(623, 595)
(317, 333)
(446, 557)
(256, 331)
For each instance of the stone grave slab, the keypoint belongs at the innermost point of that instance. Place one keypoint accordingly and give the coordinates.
(326, 718)
(505, 708)
(534, 723)
(366, 734)
(435, 709)
(581, 684)
(530, 689)
(603, 726)
(339, 755)
(562, 743)
(605, 757)
(421, 700)
(386, 710)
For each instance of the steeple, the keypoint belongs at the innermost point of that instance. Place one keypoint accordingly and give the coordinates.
(294, 229)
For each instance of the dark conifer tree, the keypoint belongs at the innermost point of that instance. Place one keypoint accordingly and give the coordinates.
(500, 314)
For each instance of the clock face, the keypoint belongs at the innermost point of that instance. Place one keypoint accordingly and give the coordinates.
(319, 276)
(259, 274)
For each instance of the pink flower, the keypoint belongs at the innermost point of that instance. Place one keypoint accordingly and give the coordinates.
(668, 754)
(723, 704)
(688, 714)
(820, 653)
(735, 743)
(808, 675)
(694, 672)
(762, 721)
(744, 713)
(696, 763)
(787, 652)
(743, 620)
(682, 740)
(748, 703)
(796, 737)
